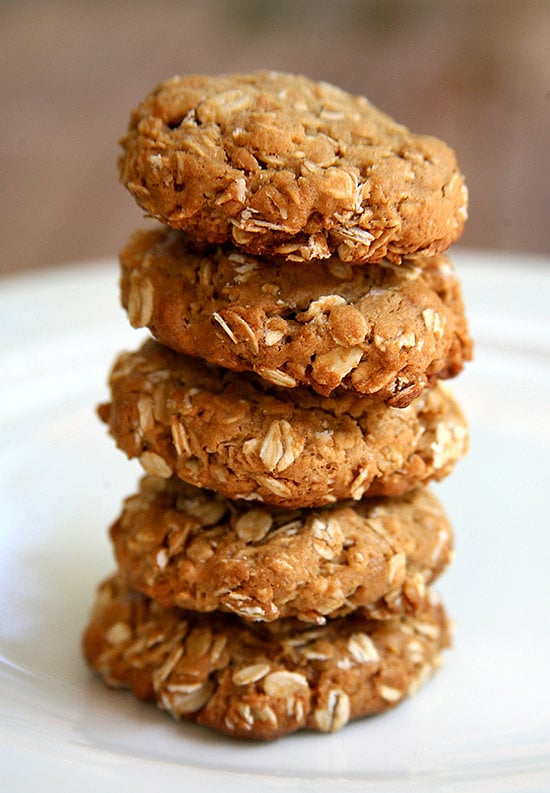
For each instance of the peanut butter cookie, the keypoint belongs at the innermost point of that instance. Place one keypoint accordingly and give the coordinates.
(384, 331)
(280, 164)
(260, 680)
(248, 439)
(188, 547)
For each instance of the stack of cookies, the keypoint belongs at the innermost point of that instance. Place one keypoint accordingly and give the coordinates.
(275, 566)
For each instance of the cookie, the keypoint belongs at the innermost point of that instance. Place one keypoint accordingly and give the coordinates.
(383, 331)
(280, 164)
(247, 439)
(260, 680)
(188, 547)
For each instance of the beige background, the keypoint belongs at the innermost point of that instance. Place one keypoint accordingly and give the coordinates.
(475, 73)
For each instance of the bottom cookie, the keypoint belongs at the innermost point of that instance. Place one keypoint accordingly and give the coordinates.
(260, 680)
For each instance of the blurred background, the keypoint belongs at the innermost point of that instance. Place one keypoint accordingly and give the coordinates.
(473, 72)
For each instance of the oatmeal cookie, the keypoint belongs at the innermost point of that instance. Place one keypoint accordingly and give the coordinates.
(260, 680)
(383, 331)
(188, 547)
(248, 439)
(280, 164)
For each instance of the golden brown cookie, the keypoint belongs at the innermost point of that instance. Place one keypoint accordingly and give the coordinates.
(384, 331)
(280, 164)
(192, 548)
(260, 680)
(247, 439)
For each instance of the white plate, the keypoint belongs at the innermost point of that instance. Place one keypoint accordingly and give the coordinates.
(482, 723)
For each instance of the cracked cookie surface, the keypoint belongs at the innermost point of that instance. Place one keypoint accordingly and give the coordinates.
(260, 680)
(188, 547)
(384, 331)
(248, 439)
(281, 164)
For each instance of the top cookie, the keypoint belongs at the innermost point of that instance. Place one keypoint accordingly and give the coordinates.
(280, 164)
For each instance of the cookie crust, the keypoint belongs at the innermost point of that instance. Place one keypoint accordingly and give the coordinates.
(187, 547)
(247, 439)
(260, 681)
(281, 164)
(383, 331)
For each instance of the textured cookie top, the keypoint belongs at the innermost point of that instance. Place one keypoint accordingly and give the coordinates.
(260, 681)
(188, 547)
(248, 439)
(385, 331)
(280, 164)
